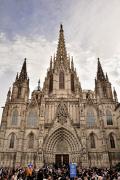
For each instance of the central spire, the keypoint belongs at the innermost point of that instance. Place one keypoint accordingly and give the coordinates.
(61, 49)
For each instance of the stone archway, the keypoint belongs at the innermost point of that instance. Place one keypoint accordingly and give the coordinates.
(62, 141)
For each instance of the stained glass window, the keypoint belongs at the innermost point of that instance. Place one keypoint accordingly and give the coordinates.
(15, 117)
(90, 118)
(31, 141)
(92, 140)
(112, 141)
(12, 141)
(109, 118)
(32, 119)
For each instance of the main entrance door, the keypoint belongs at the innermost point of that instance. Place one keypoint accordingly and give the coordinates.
(61, 159)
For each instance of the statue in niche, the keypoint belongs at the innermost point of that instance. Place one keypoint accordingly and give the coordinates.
(40, 145)
(83, 146)
(41, 128)
(62, 113)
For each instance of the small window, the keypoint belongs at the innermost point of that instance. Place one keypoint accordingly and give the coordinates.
(31, 141)
(90, 118)
(112, 141)
(15, 117)
(61, 80)
(92, 140)
(109, 118)
(12, 141)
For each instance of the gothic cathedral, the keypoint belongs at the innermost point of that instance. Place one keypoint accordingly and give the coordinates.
(61, 123)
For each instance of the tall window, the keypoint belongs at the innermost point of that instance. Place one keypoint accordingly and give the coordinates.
(112, 141)
(90, 118)
(32, 119)
(72, 83)
(12, 141)
(51, 83)
(19, 91)
(15, 117)
(92, 140)
(61, 80)
(109, 118)
(31, 141)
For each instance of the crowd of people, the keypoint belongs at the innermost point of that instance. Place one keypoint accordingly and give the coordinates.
(58, 173)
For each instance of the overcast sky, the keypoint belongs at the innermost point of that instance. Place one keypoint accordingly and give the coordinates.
(29, 28)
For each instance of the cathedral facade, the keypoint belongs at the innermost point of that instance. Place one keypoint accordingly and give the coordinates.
(61, 123)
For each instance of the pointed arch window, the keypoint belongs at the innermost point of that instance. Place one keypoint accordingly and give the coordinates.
(109, 118)
(90, 118)
(92, 141)
(72, 83)
(112, 141)
(32, 119)
(12, 141)
(14, 117)
(61, 80)
(31, 141)
(51, 83)
(19, 91)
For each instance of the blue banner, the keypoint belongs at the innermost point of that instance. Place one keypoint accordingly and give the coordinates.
(72, 170)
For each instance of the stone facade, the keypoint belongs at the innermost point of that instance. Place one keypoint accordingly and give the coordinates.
(61, 123)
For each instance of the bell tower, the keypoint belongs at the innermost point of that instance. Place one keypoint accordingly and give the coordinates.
(20, 89)
(103, 88)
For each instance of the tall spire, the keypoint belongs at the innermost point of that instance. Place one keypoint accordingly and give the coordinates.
(23, 73)
(61, 49)
(100, 73)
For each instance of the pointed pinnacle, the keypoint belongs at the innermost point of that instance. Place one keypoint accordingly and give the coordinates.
(9, 91)
(8, 95)
(114, 91)
(100, 73)
(51, 62)
(16, 77)
(61, 27)
(23, 73)
(107, 77)
(39, 85)
(72, 64)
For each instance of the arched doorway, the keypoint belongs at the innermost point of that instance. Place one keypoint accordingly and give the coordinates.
(62, 146)
(62, 152)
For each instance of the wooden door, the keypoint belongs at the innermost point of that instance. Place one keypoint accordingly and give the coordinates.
(65, 158)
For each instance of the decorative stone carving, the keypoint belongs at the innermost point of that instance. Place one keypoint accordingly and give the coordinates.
(33, 101)
(62, 113)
